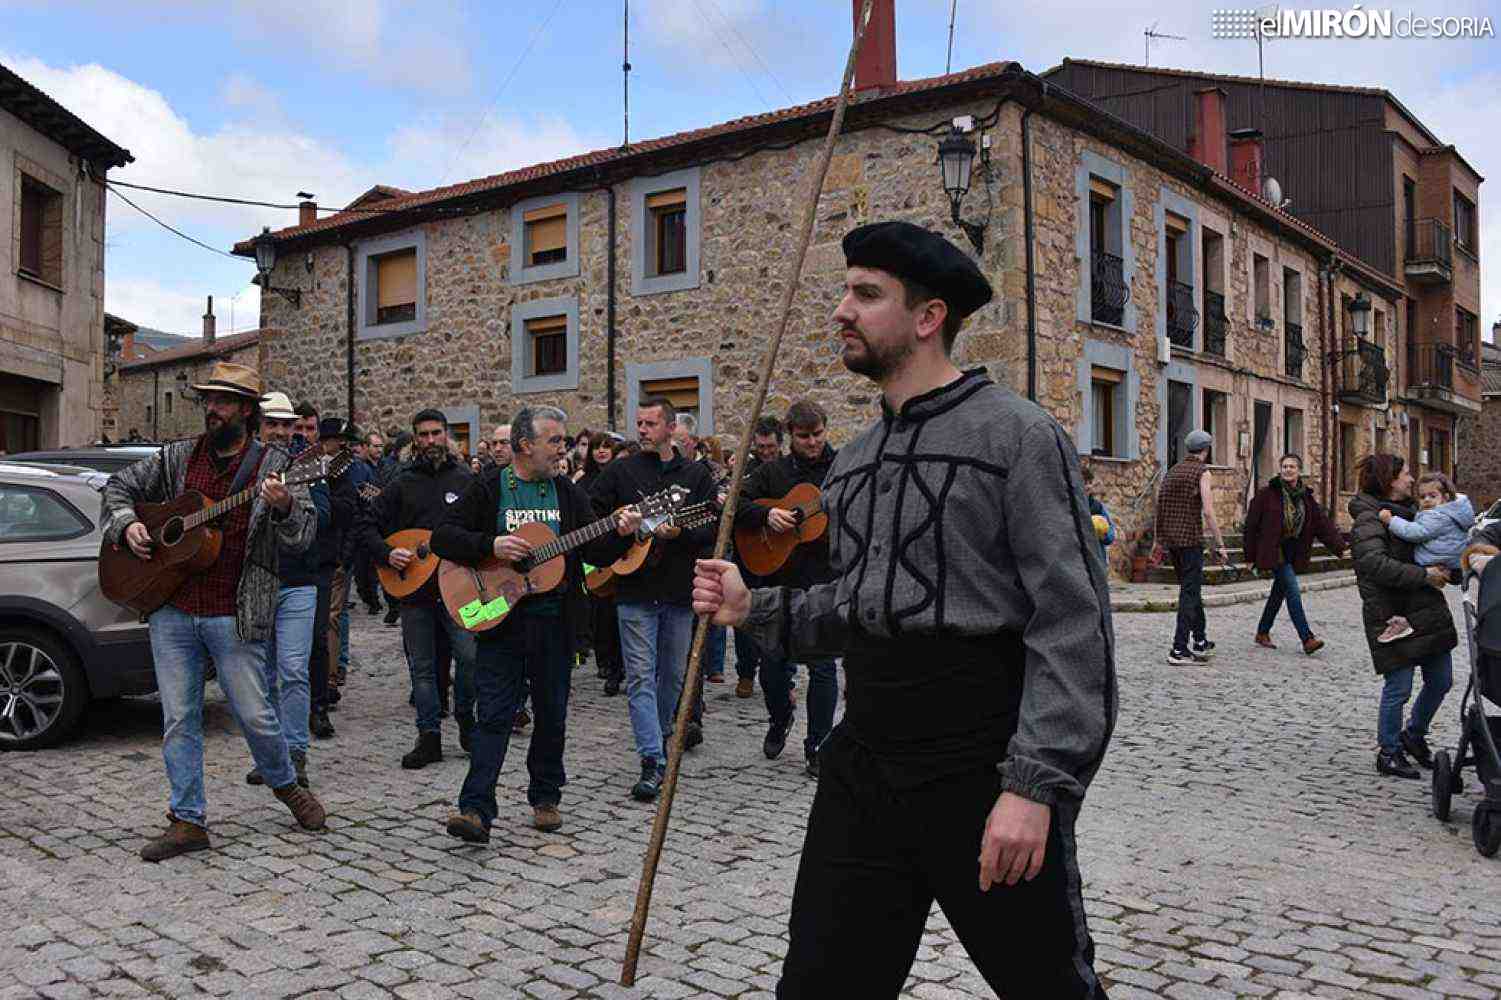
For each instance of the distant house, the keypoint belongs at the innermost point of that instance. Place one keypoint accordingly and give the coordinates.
(52, 349)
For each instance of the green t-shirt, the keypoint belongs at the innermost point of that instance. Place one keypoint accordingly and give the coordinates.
(522, 502)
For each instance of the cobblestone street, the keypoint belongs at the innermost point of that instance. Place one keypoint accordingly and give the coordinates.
(1236, 843)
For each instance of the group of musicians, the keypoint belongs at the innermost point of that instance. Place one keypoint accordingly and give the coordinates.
(957, 579)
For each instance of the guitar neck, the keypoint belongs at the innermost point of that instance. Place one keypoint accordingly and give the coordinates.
(567, 543)
(221, 507)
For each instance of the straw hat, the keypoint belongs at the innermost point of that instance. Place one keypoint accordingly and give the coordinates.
(277, 406)
(241, 380)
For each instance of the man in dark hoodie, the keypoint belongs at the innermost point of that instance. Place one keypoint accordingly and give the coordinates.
(418, 495)
(808, 565)
(536, 639)
(652, 604)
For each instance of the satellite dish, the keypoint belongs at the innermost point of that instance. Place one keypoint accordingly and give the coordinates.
(1272, 191)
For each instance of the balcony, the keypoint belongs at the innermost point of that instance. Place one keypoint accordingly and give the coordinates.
(1182, 317)
(1216, 323)
(1292, 343)
(1363, 374)
(1108, 291)
(1431, 379)
(1430, 252)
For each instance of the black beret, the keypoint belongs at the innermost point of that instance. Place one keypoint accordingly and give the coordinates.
(922, 257)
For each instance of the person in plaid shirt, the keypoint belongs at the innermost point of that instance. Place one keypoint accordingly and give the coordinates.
(223, 615)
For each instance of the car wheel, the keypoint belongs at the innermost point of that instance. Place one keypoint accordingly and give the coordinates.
(42, 690)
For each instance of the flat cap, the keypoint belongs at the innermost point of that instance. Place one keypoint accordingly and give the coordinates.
(1197, 441)
(920, 256)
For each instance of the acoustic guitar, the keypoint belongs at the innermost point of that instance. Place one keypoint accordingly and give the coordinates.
(644, 551)
(403, 583)
(184, 542)
(763, 551)
(481, 597)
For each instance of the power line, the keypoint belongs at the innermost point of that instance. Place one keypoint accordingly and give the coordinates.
(754, 54)
(734, 60)
(509, 77)
(176, 232)
(240, 201)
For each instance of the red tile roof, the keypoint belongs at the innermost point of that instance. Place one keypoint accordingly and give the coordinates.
(196, 350)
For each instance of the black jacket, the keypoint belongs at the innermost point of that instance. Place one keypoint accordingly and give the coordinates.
(467, 535)
(300, 569)
(1392, 584)
(417, 496)
(335, 540)
(624, 481)
(809, 563)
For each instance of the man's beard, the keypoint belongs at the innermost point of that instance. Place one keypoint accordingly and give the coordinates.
(226, 434)
(434, 455)
(873, 363)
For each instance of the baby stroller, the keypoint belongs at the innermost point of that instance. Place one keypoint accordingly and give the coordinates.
(1479, 734)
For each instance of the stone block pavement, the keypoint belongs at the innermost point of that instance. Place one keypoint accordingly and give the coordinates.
(1236, 843)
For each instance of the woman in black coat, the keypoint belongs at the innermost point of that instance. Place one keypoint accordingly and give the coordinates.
(1281, 525)
(1390, 584)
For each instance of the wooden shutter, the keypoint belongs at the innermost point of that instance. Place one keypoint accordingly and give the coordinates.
(547, 234)
(682, 393)
(1102, 189)
(676, 198)
(1111, 375)
(396, 279)
(1175, 223)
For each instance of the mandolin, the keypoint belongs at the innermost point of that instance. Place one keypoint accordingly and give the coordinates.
(763, 551)
(403, 583)
(184, 542)
(481, 597)
(644, 551)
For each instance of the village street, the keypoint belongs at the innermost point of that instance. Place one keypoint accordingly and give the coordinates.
(1236, 843)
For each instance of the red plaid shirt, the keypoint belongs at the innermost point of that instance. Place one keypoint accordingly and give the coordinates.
(1180, 506)
(212, 592)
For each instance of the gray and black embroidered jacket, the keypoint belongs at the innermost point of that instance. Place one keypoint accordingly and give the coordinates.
(964, 516)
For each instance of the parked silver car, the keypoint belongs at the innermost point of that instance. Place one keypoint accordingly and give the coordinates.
(62, 644)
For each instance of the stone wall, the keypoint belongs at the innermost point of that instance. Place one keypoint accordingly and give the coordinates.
(140, 387)
(1479, 468)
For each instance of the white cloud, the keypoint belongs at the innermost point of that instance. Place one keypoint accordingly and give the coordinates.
(179, 308)
(748, 37)
(243, 92)
(451, 148)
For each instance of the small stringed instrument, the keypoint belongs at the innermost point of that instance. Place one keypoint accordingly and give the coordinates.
(183, 541)
(600, 581)
(403, 583)
(764, 551)
(481, 597)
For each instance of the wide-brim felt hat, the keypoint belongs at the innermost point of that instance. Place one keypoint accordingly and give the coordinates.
(226, 376)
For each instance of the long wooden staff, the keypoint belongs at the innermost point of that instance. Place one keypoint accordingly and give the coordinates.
(727, 520)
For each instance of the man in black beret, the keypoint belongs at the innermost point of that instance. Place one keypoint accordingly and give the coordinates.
(969, 603)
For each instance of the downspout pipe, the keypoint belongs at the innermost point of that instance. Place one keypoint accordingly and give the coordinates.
(1031, 265)
(610, 307)
(349, 327)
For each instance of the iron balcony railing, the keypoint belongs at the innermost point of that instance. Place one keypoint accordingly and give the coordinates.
(1429, 240)
(1292, 340)
(1109, 291)
(1363, 373)
(1182, 317)
(1216, 323)
(1431, 365)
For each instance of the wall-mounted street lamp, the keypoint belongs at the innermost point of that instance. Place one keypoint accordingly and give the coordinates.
(1360, 314)
(956, 160)
(265, 260)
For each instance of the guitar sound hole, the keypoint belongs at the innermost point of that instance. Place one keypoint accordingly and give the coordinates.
(172, 531)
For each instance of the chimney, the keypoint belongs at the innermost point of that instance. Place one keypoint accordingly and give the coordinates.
(1245, 159)
(208, 324)
(876, 64)
(1207, 144)
(307, 213)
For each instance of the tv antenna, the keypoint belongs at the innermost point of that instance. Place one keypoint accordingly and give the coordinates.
(1152, 33)
(1269, 12)
(948, 64)
(625, 68)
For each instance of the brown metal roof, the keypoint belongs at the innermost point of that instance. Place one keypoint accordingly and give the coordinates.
(196, 350)
(57, 123)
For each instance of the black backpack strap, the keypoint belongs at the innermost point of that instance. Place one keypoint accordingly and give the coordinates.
(248, 466)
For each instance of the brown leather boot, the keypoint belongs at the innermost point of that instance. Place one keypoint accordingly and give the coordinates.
(1312, 645)
(180, 837)
(304, 805)
(1265, 639)
(547, 818)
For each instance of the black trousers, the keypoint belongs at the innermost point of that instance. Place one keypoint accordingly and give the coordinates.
(875, 859)
(318, 665)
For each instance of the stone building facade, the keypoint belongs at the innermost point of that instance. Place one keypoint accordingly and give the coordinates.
(153, 394)
(1480, 435)
(485, 267)
(51, 270)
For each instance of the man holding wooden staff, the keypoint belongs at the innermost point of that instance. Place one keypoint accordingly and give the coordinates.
(970, 606)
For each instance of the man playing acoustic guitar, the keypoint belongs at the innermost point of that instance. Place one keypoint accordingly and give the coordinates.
(536, 639)
(808, 565)
(225, 613)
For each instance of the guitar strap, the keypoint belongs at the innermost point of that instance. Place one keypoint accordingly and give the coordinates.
(248, 466)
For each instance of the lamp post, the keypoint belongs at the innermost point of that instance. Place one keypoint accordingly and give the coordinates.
(265, 260)
(956, 161)
(1360, 315)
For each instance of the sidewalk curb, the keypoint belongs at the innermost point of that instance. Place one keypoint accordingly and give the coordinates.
(1125, 603)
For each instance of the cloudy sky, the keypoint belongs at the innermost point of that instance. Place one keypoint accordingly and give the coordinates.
(263, 98)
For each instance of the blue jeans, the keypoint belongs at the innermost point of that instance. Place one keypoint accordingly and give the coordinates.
(823, 696)
(1438, 676)
(419, 626)
(181, 646)
(654, 640)
(287, 657)
(714, 644)
(536, 649)
(1285, 587)
(747, 654)
(1188, 562)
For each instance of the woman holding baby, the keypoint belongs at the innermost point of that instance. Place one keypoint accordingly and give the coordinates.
(1407, 620)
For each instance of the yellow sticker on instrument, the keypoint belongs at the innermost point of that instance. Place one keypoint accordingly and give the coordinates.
(477, 612)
